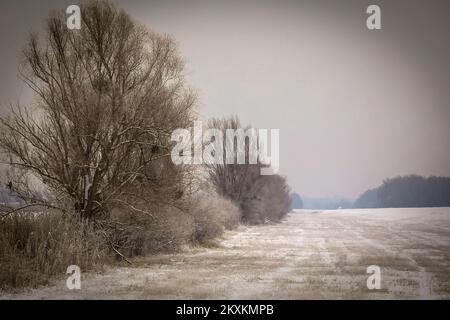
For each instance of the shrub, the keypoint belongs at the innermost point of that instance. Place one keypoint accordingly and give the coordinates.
(163, 230)
(211, 215)
(168, 228)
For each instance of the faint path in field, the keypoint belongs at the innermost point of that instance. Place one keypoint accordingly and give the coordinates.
(311, 255)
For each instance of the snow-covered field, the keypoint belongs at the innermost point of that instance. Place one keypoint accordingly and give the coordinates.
(311, 255)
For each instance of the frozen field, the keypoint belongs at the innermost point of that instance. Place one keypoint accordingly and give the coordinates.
(311, 255)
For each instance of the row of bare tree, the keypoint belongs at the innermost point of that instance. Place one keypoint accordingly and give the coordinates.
(96, 140)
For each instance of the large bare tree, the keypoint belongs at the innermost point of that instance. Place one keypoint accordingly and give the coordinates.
(97, 137)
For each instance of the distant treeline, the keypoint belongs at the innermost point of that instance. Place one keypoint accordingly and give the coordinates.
(323, 203)
(407, 191)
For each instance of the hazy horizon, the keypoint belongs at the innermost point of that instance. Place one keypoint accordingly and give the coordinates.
(353, 106)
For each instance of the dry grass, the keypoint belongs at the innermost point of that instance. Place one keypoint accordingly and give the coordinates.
(36, 246)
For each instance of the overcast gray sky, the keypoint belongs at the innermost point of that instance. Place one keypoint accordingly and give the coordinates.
(353, 106)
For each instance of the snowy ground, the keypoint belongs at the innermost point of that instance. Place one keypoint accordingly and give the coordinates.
(312, 255)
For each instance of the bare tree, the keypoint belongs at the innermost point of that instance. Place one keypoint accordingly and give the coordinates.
(108, 97)
(260, 198)
(231, 180)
